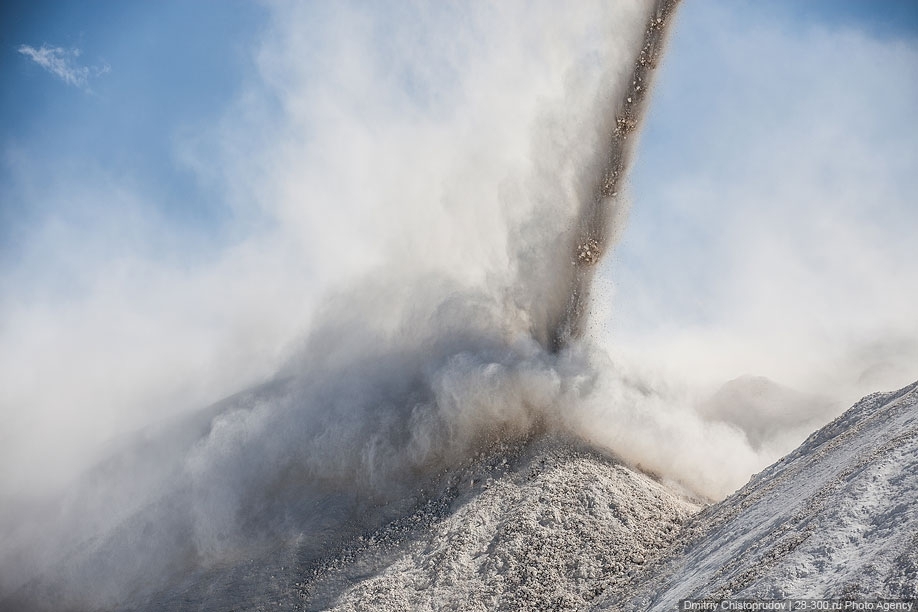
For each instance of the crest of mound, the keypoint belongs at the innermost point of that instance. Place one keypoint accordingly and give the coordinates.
(545, 525)
(833, 519)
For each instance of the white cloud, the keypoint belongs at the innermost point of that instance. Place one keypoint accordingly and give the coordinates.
(63, 64)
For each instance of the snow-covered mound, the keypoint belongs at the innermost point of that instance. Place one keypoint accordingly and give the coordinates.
(548, 527)
(836, 518)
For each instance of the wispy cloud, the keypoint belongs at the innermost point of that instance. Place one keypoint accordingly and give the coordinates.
(64, 64)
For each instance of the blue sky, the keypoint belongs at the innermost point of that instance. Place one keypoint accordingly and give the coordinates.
(170, 66)
(772, 217)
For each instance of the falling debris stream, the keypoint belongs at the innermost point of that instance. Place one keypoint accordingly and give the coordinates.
(591, 234)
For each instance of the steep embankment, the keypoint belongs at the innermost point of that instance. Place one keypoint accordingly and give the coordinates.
(835, 518)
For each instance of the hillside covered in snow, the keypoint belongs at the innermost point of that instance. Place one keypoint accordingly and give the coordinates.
(836, 518)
